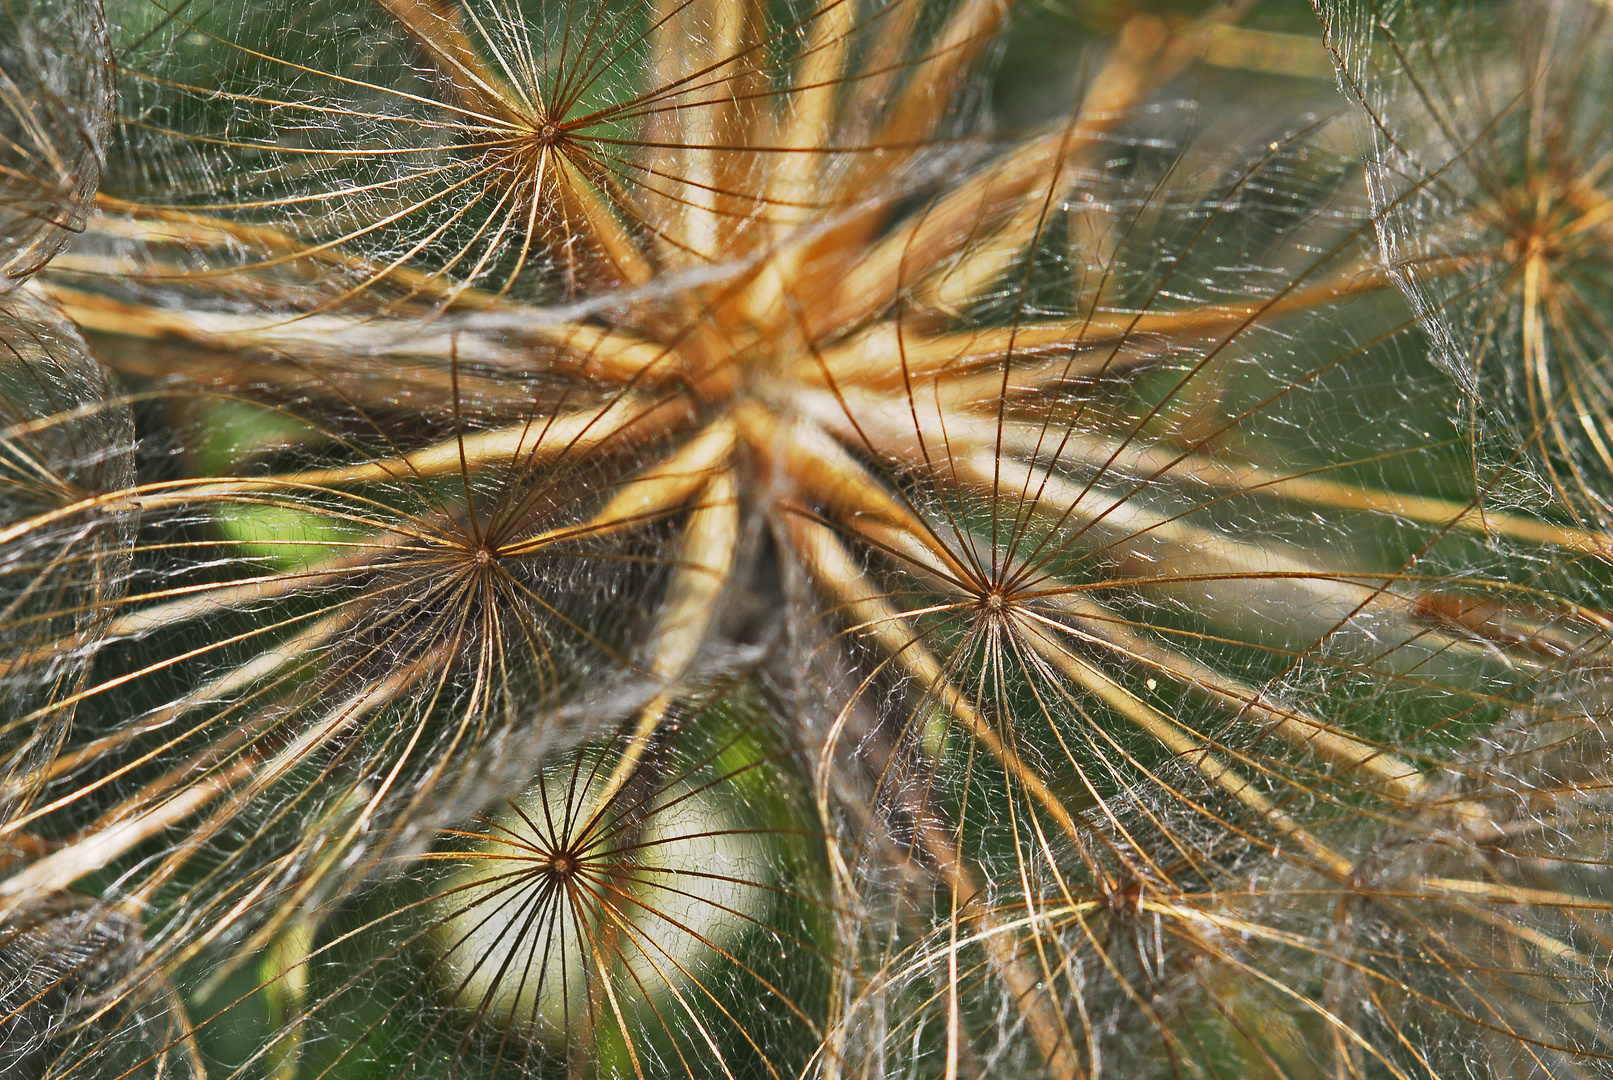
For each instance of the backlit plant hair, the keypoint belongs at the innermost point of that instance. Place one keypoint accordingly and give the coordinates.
(656, 540)
(1491, 130)
(55, 113)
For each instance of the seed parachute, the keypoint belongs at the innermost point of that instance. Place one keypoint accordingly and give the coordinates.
(831, 538)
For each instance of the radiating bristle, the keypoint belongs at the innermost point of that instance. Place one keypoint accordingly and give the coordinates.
(55, 105)
(687, 538)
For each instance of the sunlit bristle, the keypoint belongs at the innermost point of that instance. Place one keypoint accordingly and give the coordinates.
(54, 121)
(1497, 199)
(703, 538)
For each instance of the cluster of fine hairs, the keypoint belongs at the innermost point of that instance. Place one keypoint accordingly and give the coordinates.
(809, 539)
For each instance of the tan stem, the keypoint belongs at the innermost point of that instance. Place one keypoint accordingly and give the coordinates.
(705, 564)
(1296, 727)
(1134, 67)
(614, 356)
(1184, 744)
(61, 868)
(657, 491)
(872, 616)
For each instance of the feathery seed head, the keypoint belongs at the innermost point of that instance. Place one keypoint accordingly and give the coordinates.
(669, 546)
(1495, 202)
